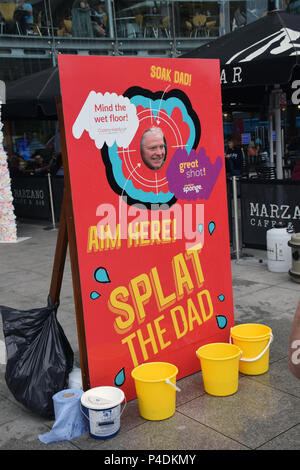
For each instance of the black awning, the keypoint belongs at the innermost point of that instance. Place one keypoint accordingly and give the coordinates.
(33, 96)
(264, 52)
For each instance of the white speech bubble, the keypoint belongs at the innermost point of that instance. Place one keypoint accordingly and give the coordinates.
(107, 118)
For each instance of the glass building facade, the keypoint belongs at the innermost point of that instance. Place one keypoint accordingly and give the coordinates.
(32, 41)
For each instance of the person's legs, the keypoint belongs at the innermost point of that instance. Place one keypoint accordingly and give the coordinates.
(20, 19)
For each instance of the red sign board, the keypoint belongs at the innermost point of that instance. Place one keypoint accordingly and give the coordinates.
(146, 161)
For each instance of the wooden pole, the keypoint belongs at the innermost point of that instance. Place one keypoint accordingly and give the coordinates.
(67, 235)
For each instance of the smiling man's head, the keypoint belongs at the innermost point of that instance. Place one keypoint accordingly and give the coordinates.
(153, 148)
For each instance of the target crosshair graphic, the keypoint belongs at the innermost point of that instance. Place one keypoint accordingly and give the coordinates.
(144, 115)
(153, 112)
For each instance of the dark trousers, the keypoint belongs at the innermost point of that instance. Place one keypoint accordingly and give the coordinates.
(20, 18)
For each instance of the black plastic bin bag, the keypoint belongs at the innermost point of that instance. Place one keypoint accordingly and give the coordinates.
(39, 357)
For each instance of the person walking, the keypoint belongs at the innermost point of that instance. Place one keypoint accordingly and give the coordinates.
(233, 159)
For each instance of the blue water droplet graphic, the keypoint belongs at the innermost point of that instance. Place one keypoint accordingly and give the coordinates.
(221, 297)
(221, 321)
(101, 275)
(200, 228)
(120, 378)
(94, 295)
(211, 227)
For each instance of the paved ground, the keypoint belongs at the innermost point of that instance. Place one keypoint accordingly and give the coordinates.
(264, 414)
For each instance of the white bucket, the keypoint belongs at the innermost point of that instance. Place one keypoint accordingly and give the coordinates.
(278, 251)
(102, 408)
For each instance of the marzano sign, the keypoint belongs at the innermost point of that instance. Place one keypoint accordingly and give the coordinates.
(263, 205)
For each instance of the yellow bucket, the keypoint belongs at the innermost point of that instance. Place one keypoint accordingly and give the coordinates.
(220, 368)
(155, 384)
(254, 340)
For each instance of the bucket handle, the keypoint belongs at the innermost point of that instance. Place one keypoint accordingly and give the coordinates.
(84, 412)
(124, 406)
(175, 386)
(252, 359)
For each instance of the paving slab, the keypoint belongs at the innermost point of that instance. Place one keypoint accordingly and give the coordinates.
(252, 416)
(264, 414)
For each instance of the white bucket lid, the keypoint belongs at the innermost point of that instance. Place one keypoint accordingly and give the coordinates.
(102, 398)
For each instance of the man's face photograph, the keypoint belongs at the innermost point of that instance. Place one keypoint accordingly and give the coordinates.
(153, 149)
